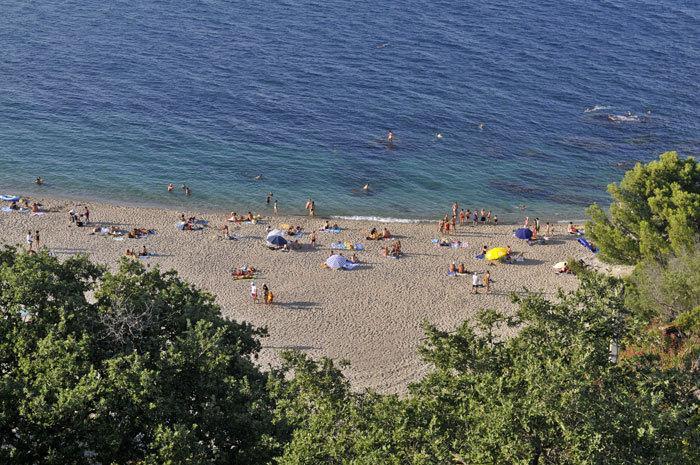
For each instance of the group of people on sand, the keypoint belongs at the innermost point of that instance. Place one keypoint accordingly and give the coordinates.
(245, 272)
(33, 241)
(267, 296)
(235, 218)
(375, 235)
(188, 224)
(185, 189)
(80, 219)
(461, 217)
(395, 250)
(133, 253)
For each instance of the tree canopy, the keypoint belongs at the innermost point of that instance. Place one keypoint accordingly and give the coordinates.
(128, 367)
(548, 395)
(655, 212)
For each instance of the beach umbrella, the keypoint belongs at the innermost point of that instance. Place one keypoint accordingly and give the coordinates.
(523, 233)
(278, 241)
(275, 232)
(496, 253)
(336, 261)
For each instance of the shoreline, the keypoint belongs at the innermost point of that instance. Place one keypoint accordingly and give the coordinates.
(370, 316)
(504, 219)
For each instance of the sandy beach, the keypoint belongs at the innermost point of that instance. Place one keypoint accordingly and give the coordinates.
(370, 316)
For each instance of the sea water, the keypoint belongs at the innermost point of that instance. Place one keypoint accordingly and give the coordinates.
(501, 105)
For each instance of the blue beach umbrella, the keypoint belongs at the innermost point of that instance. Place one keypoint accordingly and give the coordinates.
(523, 233)
(278, 241)
(336, 261)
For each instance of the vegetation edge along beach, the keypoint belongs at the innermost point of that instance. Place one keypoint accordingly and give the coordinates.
(582, 345)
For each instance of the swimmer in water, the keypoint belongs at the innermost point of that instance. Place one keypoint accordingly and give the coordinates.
(365, 187)
(258, 177)
(481, 126)
(39, 181)
(171, 187)
(438, 135)
(390, 136)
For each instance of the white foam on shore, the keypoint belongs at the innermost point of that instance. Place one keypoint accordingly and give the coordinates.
(379, 219)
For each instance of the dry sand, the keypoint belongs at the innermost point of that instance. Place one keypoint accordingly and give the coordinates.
(370, 316)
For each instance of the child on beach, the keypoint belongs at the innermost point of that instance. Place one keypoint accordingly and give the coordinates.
(29, 240)
(475, 283)
(36, 239)
(254, 292)
(312, 239)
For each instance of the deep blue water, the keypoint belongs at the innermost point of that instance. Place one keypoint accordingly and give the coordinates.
(113, 100)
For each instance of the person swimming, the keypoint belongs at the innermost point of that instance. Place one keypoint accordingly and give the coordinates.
(438, 135)
(39, 181)
(390, 137)
(365, 187)
(481, 126)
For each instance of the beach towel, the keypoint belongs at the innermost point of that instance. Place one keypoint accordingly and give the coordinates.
(331, 230)
(479, 257)
(9, 198)
(350, 265)
(347, 246)
(38, 213)
(10, 210)
(587, 245)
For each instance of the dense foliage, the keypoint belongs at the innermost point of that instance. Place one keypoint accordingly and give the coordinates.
(655, 212)
(144, 371)
(548, 395)
(139, 367)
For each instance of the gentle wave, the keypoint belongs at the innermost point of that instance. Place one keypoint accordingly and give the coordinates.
(596, 108)
(379, 219)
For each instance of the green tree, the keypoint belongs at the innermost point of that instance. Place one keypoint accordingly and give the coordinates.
(548, 395)
(655, 211)
(147, 370)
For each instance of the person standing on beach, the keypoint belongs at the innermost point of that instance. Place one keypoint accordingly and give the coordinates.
(475, 283)
(265, 291)
(36, 239)
(29, 240)
(312, 239)
(455, 207)
(537, 226)
(475, 218)
(495, 219)
(254, 292)
(73, 217)
(312, 208)
(461, 217)
(87, 215)
(487, 281)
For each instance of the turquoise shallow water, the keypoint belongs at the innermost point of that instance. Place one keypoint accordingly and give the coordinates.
(113, 101)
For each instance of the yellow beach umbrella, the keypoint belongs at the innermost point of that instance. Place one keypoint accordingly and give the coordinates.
(496, 253)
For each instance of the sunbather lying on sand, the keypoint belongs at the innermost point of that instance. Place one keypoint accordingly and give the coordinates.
(243, 272)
